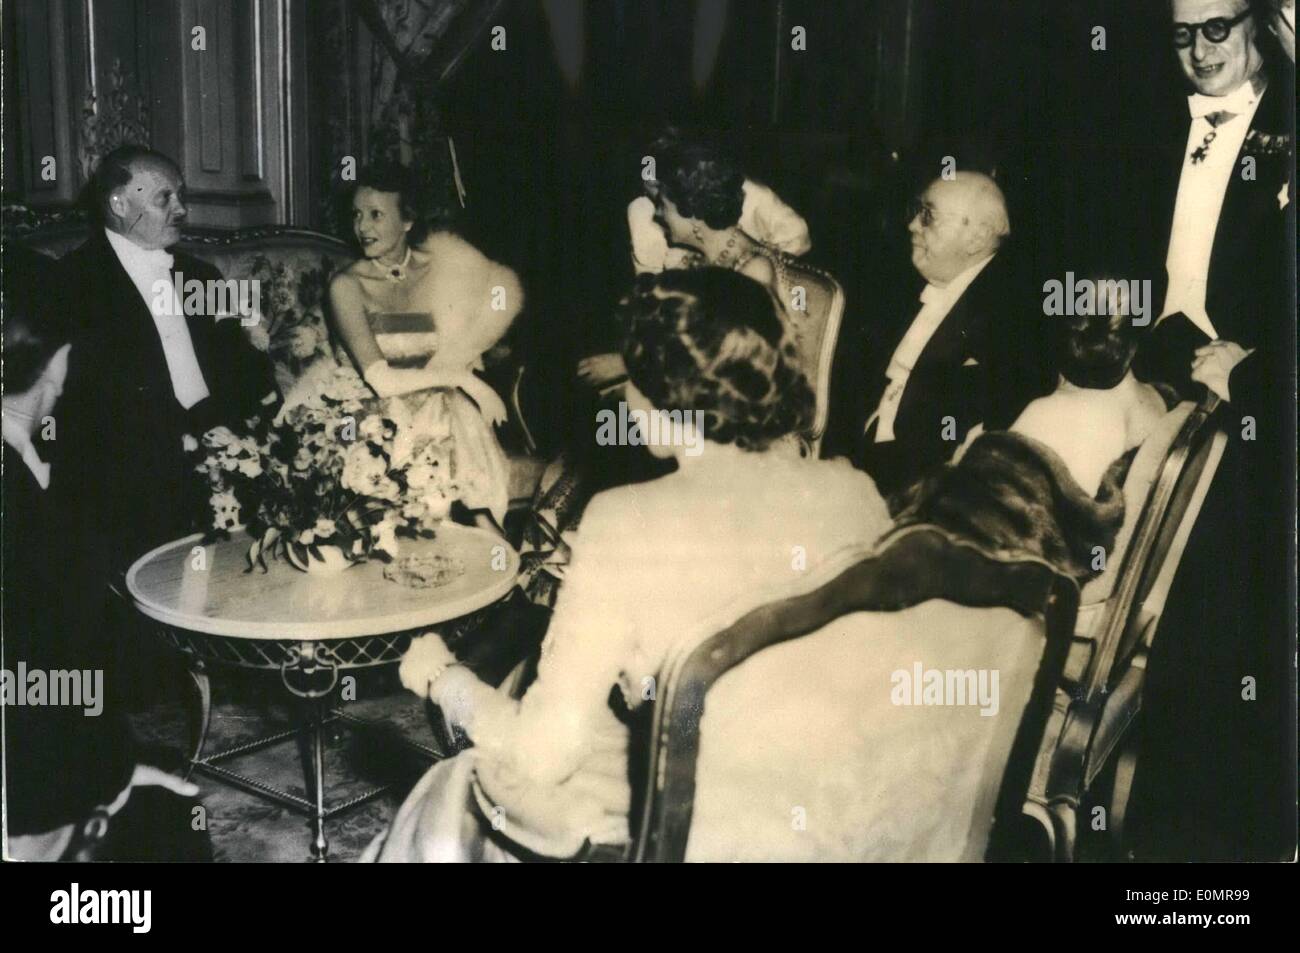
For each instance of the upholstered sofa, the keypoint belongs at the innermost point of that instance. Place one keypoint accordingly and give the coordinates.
(293, 267)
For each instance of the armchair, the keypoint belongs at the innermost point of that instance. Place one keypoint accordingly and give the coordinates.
(816, 332)
(1092, 728)
(774, 736)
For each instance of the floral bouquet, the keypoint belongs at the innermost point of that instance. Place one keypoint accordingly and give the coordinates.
(326, 472)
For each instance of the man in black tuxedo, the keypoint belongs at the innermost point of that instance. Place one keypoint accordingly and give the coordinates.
(1223, 199)
(970, 354)
(74, 781)
(145, 375)
(1216, 771)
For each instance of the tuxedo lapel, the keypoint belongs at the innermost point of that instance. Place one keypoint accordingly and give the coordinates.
(124, 324)
(1243, 283)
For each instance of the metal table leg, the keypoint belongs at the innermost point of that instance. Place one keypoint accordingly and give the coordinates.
(199, 733)
(319, 845)
(310, 660)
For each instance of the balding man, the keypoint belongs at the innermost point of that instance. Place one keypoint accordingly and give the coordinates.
(146, 369)
(969, 354)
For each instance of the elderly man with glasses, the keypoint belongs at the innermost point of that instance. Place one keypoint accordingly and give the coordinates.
(965, 348)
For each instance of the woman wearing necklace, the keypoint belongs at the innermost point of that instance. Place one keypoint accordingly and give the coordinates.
(417, 312)
(708, 212)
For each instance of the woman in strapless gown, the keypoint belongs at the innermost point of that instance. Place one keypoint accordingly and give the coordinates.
(417, 313)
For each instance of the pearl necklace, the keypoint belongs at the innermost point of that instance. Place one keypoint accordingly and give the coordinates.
(396, 272)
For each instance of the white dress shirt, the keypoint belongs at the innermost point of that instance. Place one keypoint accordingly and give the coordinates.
(936, 303)
(150, 272)
(1201, 190)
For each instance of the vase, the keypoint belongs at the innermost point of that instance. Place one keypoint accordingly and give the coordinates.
(331, 561)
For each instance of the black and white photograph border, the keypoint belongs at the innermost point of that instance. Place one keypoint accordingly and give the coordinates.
(395, 471)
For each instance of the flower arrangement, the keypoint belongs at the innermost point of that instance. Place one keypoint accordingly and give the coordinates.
(325, 472)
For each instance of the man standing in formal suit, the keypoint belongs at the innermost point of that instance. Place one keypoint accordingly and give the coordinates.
(1216, 770)
(1225, 199)
(968, 355)
(144, 374)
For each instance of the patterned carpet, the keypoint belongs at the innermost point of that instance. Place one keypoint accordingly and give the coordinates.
(245, 827)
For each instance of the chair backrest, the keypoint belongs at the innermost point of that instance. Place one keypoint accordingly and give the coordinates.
(816, 309)
(809, 749)
(1157, 544)
(1142, 476)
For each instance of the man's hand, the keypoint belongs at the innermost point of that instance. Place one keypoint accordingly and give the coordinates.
(600, 369)
(1213, 363)
(426, 660)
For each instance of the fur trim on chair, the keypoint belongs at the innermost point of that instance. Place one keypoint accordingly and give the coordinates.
(1011, 495)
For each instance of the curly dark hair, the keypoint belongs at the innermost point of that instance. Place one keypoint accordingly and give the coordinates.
(710, 340)
(700, 179)
(394, 178)
(1097, 350)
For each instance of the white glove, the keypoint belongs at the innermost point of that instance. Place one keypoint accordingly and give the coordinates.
(424, 662)
(388, 381)
(489, 404)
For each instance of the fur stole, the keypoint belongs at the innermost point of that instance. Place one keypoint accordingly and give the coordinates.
(1013, 496)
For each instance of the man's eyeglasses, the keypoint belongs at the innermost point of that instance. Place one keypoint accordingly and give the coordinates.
(919, 207)
(1216, 30)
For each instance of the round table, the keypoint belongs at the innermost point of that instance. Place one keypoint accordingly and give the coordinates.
(205, 601)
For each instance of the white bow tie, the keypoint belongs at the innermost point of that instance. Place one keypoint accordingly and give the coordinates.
(1238, 101)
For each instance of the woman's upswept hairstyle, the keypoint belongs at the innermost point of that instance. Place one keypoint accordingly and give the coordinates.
(392, 177)
(700, 179)
(709, 340)
(1097, 350)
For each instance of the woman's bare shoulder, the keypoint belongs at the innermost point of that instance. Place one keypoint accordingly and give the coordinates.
(348, 278)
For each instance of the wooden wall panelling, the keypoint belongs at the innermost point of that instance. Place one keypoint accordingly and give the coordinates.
(45, 72)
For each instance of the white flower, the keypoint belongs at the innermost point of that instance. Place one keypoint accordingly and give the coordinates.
(324, 528)
(438, 503)
(303, 341)
(371, 428)
(258, 337)
(384, 534)
(225, 510)
(307, 537)
(221, 436)
(362, 470)
(419, 475)
(250, 467)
